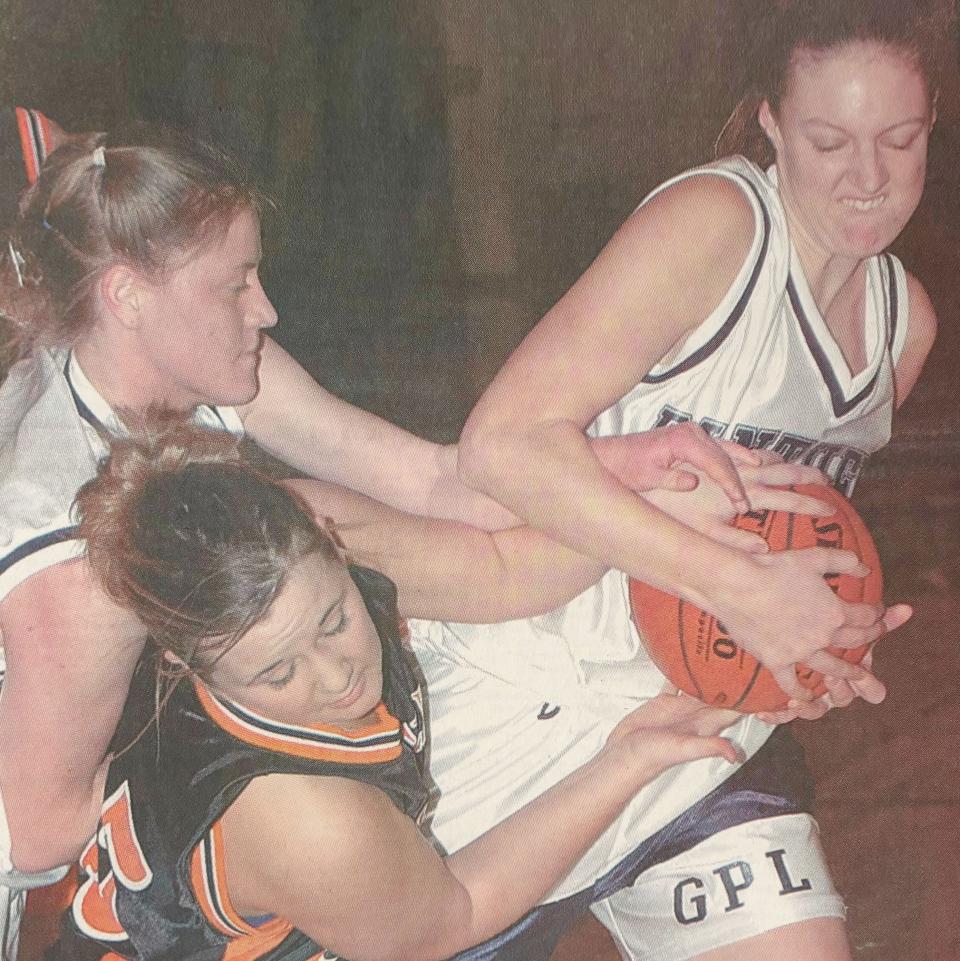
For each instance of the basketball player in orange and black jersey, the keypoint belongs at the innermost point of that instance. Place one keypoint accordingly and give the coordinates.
(174, 779)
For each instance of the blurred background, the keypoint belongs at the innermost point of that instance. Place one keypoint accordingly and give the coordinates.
(442, 171)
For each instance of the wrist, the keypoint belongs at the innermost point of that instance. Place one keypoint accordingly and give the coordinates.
(622, 771)
(719, 581)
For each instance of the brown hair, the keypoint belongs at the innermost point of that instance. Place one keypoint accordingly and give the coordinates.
(781, 29)
(189, 538)
(147, 196)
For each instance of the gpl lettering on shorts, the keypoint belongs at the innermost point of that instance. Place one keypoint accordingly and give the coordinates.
(692, 900)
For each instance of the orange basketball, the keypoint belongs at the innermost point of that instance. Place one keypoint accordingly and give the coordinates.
(695, 652)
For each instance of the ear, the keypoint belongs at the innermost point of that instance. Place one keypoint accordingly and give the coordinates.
(123, 293)
(768, 123)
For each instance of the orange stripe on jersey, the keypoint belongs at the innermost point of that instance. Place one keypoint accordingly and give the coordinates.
(31, 159)
(377, 742)
(209, 880)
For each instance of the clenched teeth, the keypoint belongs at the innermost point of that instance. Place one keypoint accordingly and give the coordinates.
(856, 204)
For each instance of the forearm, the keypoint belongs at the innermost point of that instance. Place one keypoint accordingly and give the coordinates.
(512, 867)
(450, 571)
(548, 475)
(296, 420)
(449, 497)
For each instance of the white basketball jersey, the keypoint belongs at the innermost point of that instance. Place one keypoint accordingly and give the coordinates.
(516, 706)
(53, 425)
(764, 370)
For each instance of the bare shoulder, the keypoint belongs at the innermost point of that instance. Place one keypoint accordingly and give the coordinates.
(921, 332)
(923, 315)
(709, 209)
(700, 227)
(281, 823)
(65, 600)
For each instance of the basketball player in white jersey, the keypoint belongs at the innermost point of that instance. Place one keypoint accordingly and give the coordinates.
(757, 303)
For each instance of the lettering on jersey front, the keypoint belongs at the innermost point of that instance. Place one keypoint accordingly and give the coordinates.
(840, 462)
(694, 897)
(95, 903)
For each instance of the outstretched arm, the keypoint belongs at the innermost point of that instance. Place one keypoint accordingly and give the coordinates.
(296, 420)
(451, 571)
(354, 857)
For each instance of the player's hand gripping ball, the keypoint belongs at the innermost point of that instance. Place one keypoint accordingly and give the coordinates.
(695, 652)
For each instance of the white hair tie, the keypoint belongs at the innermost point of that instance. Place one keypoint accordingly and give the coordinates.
(99, 157)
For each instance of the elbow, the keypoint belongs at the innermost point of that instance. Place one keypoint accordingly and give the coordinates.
(36, 851)
(489, 452)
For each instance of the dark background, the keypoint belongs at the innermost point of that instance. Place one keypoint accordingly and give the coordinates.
(442, 171)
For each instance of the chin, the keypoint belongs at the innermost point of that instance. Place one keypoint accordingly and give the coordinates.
(235, 395)
(863, 242)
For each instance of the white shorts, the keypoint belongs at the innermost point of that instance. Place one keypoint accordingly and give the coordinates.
(737, 883)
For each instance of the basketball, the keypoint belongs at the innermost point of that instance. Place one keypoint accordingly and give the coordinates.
(695, 652)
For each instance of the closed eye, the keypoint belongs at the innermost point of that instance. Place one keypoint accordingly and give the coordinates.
(284, 679)
(328, 630)
(901, 143)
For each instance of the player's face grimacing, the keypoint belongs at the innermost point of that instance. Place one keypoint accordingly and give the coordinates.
(851, 142)
(314, 658)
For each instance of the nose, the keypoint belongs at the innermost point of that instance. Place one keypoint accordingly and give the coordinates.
(333, 675)
(870, 173)
(261, 313)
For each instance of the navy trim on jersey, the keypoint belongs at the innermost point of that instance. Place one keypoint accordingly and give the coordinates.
(218, 415)
(38, 544)
(82, 409)
(893, 300)
(841, 405)
(721, 335)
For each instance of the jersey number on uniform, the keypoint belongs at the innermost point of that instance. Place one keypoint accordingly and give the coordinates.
(95, 903)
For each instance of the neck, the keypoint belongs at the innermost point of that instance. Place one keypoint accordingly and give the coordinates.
(826, 274)
(123, 381)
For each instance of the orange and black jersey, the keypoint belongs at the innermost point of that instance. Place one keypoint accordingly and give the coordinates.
(153, 887)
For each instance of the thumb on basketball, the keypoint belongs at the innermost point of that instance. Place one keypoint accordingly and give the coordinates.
(742, 540)
(896, 616)
(693, 748)
(678, 479)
